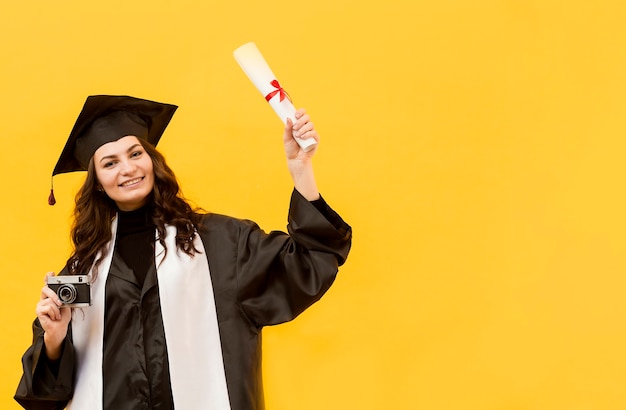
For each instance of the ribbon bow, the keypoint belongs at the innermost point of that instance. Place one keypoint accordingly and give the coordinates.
(279, 90)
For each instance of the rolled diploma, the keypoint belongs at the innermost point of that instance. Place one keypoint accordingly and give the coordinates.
(258, 71)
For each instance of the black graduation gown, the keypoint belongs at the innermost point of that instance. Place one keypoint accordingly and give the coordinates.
(258, 278)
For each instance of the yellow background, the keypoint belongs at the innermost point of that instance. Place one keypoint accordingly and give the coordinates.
(475, 146)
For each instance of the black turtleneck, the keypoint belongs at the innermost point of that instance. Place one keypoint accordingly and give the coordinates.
(135, 240)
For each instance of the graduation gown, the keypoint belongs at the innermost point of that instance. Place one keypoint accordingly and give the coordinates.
(257, 278)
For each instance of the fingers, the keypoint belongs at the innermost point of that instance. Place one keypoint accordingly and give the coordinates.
(47, 293)
(304, 128)
(302, 120)
(49, 303)
(48, 309)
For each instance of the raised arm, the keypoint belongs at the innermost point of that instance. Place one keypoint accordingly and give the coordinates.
(300, 162)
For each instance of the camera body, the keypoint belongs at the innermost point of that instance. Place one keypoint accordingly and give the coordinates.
(73, 290)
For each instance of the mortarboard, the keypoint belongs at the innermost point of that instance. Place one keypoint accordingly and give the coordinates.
(107, 118)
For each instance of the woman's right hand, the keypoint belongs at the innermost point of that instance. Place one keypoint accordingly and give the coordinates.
(54, 320)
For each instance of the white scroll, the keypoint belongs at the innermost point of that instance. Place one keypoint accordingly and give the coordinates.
(258, 71)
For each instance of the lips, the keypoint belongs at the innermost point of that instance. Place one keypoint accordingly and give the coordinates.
(131, 182)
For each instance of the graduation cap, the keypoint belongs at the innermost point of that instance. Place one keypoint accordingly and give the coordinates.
(107, 118)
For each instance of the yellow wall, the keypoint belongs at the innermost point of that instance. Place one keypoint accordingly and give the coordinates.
(476, 146)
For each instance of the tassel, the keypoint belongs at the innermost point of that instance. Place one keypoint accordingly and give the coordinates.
(51, 199)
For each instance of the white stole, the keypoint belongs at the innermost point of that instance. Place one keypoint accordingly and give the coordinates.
(191, 330)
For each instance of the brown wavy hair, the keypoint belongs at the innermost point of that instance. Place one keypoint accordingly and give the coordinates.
(94, 212)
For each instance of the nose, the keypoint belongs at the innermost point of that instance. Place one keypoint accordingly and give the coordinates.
(127, 167)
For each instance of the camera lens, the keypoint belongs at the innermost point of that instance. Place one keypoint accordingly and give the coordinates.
(67, 293)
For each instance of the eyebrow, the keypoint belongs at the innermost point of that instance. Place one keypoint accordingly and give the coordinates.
(107, 157)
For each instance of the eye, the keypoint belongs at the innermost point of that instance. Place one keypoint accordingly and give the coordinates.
(136, 154)
(108, 164)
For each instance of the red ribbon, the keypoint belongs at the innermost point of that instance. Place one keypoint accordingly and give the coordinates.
(279, 90)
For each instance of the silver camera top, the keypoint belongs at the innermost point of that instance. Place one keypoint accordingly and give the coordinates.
(68, 279)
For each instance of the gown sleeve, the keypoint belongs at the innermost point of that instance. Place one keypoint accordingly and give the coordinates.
(46, 385)
(280, 274)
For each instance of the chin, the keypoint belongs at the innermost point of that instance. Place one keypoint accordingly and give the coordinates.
(132, 204)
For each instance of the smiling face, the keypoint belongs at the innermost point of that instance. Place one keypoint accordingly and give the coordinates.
(125, 171)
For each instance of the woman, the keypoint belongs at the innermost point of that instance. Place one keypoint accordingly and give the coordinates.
(179, 297)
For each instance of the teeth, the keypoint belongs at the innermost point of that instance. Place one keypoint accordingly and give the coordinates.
(134, 181)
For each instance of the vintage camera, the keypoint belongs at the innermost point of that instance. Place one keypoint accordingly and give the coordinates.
(73, 290)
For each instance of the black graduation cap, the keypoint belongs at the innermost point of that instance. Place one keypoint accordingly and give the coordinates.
(107, 118)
